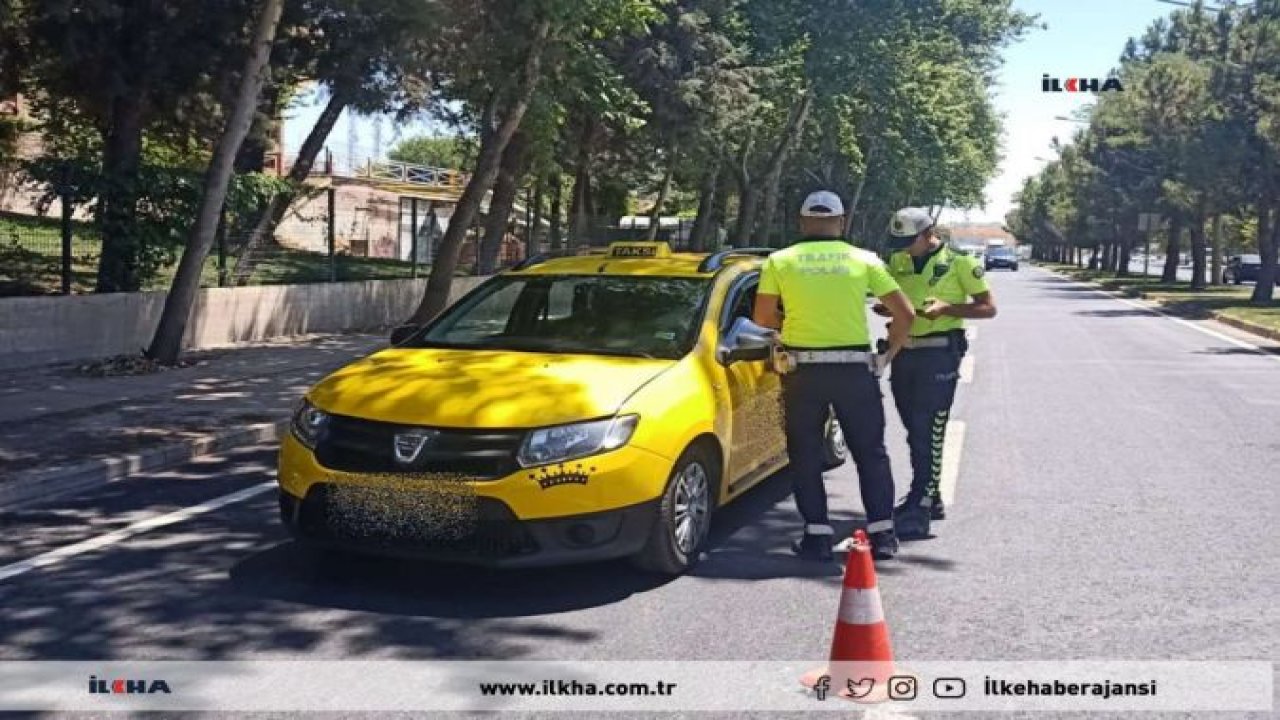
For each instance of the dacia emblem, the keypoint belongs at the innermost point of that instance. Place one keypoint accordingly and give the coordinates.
(408, 445)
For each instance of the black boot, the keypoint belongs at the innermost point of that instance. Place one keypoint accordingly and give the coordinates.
(813, 547)
(911, 521)
(937, 511)
(884, 545)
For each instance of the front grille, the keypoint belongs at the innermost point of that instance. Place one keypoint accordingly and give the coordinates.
(368, 446)
(413, 521)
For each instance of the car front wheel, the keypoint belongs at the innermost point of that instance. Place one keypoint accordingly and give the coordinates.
(684, 515)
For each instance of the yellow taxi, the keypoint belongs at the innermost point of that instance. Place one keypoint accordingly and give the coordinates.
(571, 409)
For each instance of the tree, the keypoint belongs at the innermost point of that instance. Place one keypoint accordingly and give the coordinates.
(443, 151)
(167, 343)
(370, 56)
(128, 69)
(496, 66)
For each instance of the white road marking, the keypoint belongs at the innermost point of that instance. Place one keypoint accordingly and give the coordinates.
(1194, 326)
(54, 557)
(966, 369)
(951, 452)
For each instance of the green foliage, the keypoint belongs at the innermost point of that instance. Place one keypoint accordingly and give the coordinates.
(435, 151)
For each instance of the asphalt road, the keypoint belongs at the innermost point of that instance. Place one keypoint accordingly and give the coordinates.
(1115, 498)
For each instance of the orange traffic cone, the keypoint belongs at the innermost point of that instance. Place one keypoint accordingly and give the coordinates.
(861, 656)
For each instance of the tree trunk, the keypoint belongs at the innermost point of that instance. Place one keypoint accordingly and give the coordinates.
(264, 228)
(167, 343)
(557, 199)
(494, 142)
(773, 176)
(535, 223)
(1197, 251)
(579, 217)
(655, 215)
(702, 223)
(1172, 252)
(853, 204)
(1215, 262)
(503, 199)
(746, 199)
(121, 158)
(1268, 224)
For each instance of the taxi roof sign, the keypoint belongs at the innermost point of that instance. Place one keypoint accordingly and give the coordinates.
(639, 250)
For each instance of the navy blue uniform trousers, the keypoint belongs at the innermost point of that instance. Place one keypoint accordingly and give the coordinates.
(854, 393)
(924, 386)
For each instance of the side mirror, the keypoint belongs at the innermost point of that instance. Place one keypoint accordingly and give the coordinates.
(402, 333)
(745, 341)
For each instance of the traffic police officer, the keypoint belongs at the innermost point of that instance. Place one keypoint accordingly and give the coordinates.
(945, 288)
(822, 282)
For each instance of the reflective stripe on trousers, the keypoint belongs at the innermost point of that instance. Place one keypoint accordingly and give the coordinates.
(924, 386)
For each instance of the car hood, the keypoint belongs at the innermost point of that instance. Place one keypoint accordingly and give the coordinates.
(483, 388)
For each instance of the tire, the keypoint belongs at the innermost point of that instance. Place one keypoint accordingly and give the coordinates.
(834, 450)
(669, 551)
(1015, 268)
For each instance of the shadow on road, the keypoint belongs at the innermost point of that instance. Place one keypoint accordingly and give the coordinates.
(749, 540)
(1117, 313)
(1267, 350)
(392, 586)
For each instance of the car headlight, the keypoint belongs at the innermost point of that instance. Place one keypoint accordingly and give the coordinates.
(568, 442)
(309, 424)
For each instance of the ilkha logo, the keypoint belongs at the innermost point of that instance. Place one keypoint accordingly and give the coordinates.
(120, 686)
(1079, 84)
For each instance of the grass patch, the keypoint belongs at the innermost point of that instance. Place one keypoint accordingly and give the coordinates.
(31, 262)
(1216, 301)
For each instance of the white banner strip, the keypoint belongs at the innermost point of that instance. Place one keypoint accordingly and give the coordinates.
(620, 686)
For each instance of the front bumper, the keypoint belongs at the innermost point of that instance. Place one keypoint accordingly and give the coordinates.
(597, 508)
(488, 534)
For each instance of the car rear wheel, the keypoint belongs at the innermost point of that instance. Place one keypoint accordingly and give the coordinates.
(684, 515)
(834, 450)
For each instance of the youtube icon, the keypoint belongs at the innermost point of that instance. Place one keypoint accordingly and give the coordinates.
(949, 687)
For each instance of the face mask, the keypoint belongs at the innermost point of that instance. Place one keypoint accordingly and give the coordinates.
(899, 243)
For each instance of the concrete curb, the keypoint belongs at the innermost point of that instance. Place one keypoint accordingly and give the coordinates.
(36, 486)
(1247, 326)
(1216, 316)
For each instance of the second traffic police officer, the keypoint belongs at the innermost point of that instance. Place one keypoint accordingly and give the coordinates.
(821, 284)
(941, 283)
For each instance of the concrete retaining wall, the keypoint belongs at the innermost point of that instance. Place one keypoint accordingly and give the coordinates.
(43, 330)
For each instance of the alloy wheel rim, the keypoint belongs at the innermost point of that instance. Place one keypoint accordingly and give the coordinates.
(691, 507)
(837, 440)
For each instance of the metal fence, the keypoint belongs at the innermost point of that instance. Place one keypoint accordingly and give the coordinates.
(43, 256)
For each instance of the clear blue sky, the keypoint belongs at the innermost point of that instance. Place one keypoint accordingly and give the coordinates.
(1084, 38)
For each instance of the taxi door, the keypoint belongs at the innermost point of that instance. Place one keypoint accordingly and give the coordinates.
(756, 439)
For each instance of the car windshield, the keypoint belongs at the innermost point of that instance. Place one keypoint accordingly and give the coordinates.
(653, 317)
(1251, 260)
(1000, 252)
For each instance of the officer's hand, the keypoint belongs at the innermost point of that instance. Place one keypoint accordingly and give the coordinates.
(881, 310)
(935, 309)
